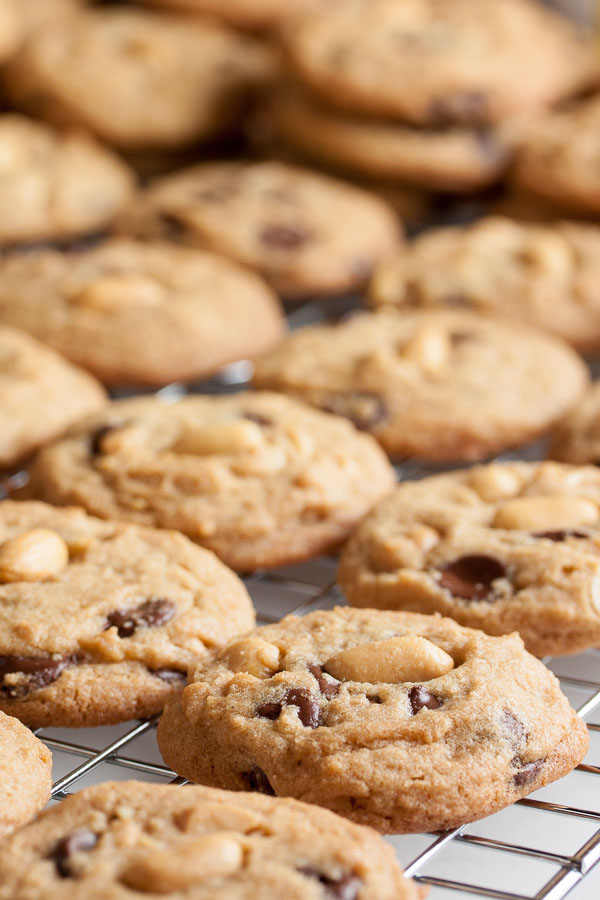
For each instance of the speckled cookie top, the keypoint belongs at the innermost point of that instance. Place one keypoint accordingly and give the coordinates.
(393, 719)
(543, 275)
(502, 547)
(56, 184)
(140, 313)
(437, 62)
(100, 71)
(130, 839)
(259, 478)
(25, 774)
(41, 394)
(305, 232)
(439, 385)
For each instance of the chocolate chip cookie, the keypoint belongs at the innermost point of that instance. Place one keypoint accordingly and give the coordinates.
(396, 720)
(41, 394)
(457, 158)
(136, 78)
(25, 774)
(438, 385)
(259, 14)
(123, 839)
(140, 313)
(440, 62)
(99, 621)
(261, 479)
(305, 233)
(558, 158)
(503, 547)
(56, 184)
(544, 275)
(576, 438)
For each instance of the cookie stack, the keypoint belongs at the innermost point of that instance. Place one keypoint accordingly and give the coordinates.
(426, 92)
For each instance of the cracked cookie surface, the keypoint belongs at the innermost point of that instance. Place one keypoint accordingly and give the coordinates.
(259, 478)
(504, 547)
(437, 385)
(99, 621)
(25, 774)
(396, 720)
(130, 839)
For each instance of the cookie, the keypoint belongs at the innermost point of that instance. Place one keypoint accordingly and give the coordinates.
(137, 313)
(544, 275)
(260, 479)
(576, 438)
(130, 838)
(99, 621)
(441, 63)
(557, 160)
(503, 547)
(443, 159)
(25, 774)
(10, 28)
(258, 15)
(306, 233)
(438, 385)
(41, 394)
(56, 184)
(398, 721)
(101, 71)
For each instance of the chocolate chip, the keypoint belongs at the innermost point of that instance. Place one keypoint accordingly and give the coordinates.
(420, 698)
(472, 577)
(284, 237)
(515, 729)
(308, 708)
(528, 773)
(98, 436)
(171, 676)
(364, 409)
(151, 614)
(466, 108)
(345, 888)
(78, 842)
(269, 710)
(257, 781)
(42, 670)
(560, 535)
(374, 698)
(328, 688)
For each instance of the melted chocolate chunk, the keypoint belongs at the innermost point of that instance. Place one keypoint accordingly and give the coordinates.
(364, 409)
(171, 676)
(98, 436)
(257, 781)
(42, 670)
(284, 237)
(560, 535)
(374, 698)
(78, 842)
(329, 689)
(345, 888)
(514, 728)
(468, 108)
(472, 577)
(152, 614)
(420, 698)
(308, 708)
(269, 710)
(527, 773)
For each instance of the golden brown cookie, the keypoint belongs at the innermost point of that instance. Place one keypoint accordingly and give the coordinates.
(25, 775)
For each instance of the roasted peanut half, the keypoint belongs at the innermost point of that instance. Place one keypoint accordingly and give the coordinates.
(177, 869)
(252, 655)
(395, 660)
(33, 556)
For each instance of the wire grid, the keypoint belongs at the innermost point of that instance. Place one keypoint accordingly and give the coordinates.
(541, 848)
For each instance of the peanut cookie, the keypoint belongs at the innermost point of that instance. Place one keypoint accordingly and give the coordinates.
(503, 547)
(558, 158)
(261, 479)
(41, 394)
(442, 159)
(304, 232)
(137, 78)
(137, 313)
(576, 438)
(255, 15)
(56, 185)
(399, 721)
(130, 839)
(441, 62)
(25, 774)
(543, 275)
(441, 385)
(99, 621)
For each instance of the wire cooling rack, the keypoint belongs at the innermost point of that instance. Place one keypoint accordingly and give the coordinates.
(541, 848)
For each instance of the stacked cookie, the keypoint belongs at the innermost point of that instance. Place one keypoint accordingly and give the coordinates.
(425, 92)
